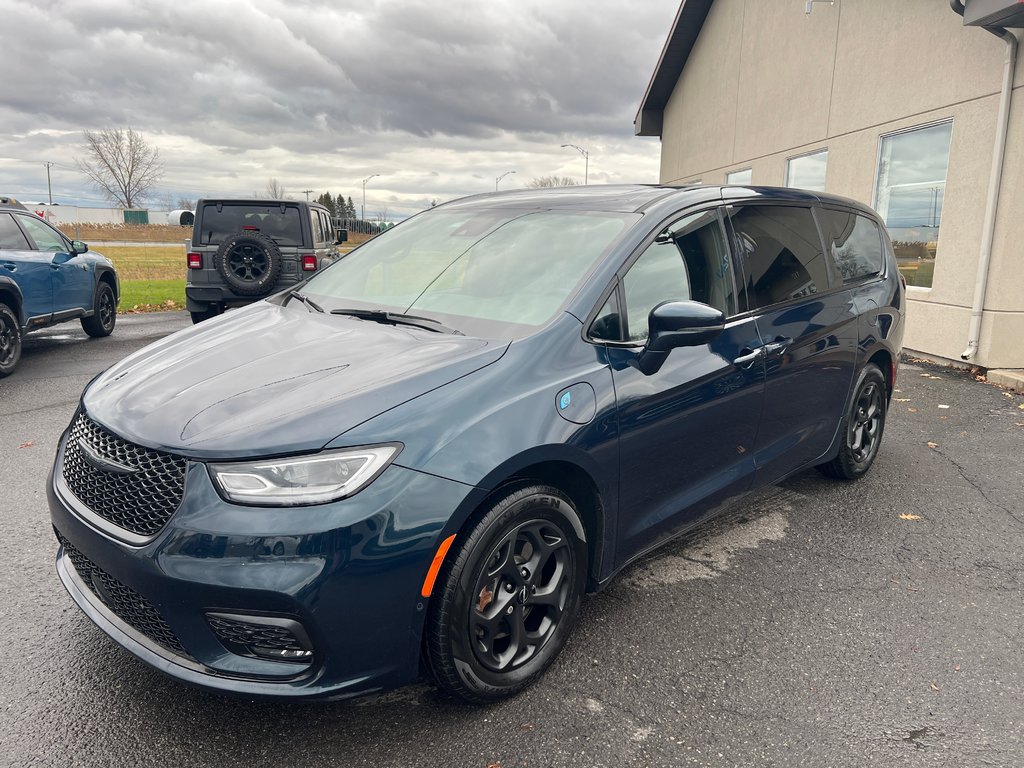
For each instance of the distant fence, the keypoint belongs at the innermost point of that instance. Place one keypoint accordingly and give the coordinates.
(361, 226)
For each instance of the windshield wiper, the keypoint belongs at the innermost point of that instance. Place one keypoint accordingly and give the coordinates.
(397, 318)
(306, 300)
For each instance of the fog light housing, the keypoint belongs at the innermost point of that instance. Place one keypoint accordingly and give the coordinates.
(262, 637)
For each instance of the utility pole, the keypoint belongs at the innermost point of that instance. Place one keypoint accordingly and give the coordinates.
(49, 189)
(586, 160)
(362, 210)
(307, 191)
(506, 173)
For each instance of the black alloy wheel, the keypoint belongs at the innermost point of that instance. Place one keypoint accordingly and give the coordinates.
(104, 315)
(504, 606)
(249, 263)
(862, 426)
(10, 341)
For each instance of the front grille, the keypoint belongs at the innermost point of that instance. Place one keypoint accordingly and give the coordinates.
(140, 496)
(131, 607)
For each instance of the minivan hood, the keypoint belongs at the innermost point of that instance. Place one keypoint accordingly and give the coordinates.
(268, 380)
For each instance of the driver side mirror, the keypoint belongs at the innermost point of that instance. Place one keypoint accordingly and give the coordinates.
(77, 247)
(342, 236)
(674, 324)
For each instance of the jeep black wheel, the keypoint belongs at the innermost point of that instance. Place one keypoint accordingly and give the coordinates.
(10, 340)
(862, 427)
(504, 608)
(249, 263)
(104, 312)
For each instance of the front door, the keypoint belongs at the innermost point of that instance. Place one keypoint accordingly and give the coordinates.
(72, 279)
(28, 268)
(686, 431)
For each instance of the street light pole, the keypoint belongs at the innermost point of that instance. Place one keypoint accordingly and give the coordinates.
(362, 209)
(506, 173)
(586, 160)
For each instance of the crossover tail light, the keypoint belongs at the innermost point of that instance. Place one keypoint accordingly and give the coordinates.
(195, 260)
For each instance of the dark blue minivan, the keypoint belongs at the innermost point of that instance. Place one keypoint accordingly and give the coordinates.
(418, 460)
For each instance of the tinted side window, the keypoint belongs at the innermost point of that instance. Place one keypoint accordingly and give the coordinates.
(781, 252)
(45, 236)
(687, 261)
(607, 326)
(855, 242)
(11, 237)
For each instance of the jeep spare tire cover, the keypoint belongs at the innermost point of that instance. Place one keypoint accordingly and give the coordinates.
(249, 262)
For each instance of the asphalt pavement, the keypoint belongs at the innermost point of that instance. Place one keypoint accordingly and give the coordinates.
(822, 624)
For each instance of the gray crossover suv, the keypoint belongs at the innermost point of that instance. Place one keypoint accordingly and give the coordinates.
(243, 250)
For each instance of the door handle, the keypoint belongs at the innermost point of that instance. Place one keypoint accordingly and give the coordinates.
(10, 266)
(779, 344)
(746, 360)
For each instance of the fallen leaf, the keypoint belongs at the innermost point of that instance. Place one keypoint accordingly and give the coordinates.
(1008, 394)
(1021, 406)
(912, 410)
(908, 516)
(944, 418)
(902, 399)
(934, 688)
(956, 668)
(943, 406)
(912, 589)
(933, 445)
(27, 444)
(494, 765)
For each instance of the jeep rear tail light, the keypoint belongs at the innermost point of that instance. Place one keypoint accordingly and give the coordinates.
(309, 262)
(195, 260)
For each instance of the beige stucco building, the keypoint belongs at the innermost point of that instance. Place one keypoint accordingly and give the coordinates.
(892, 102)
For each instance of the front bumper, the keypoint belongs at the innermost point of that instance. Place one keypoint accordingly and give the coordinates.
(348, 573)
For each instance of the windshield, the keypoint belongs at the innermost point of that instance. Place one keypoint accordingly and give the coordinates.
(483, 272)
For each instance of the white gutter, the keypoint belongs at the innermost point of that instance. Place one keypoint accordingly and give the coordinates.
(995, 180)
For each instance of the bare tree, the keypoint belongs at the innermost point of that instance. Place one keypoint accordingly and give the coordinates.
(121, 164)
(552, 181)
(186, 204)
(274, 189)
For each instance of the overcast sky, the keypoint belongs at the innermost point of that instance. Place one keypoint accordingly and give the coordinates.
(438, 98)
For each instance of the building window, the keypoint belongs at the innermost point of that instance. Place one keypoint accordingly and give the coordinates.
(807, 171)
(910, 194)
(741, 178)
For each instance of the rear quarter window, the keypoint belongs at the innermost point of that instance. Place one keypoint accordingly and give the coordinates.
(855, 244)
(215, 226)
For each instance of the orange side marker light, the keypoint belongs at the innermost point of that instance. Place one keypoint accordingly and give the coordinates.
(435, 566)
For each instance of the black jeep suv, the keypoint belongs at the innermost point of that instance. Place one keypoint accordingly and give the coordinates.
(242, 250)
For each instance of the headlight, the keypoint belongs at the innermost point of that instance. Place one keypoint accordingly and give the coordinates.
(300, 480)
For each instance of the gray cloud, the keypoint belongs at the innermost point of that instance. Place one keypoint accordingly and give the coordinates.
(437, 98)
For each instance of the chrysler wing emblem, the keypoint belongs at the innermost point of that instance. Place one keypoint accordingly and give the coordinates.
(102, 462)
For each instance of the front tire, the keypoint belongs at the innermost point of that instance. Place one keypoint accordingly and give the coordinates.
(10, 341)
(508, 600)
(104, 314)
(862, 427)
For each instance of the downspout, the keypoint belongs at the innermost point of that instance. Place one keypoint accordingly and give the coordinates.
(995, 180)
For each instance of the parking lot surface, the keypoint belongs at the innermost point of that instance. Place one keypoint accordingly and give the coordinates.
(820, 623)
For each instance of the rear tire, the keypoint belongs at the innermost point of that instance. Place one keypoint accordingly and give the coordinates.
(10, 341)
(862, 427)
(211, 311)
(104, 312)
(506, 602)
(249, 263)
